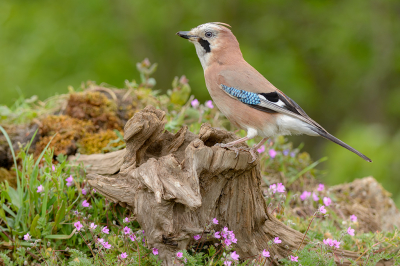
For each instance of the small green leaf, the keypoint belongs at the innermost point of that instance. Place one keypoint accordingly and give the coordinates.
(60, 215)
(8, 210)
(33, 230)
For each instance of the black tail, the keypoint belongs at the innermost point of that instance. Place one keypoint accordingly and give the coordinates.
(341, 143)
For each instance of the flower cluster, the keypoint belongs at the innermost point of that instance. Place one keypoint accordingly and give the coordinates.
(126, 231)
(228, 237)
(271, 152)
(332, 243)
(277, 188)
(69, 180)
(195, 103)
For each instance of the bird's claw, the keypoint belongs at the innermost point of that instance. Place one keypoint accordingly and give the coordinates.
(253, 155)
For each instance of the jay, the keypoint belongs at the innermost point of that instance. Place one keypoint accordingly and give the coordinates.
(244, 96)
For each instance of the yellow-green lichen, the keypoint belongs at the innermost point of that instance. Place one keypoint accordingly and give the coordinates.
(101, 142)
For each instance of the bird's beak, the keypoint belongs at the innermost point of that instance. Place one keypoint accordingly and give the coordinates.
(185, 34)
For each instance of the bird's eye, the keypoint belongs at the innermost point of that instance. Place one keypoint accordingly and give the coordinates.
(208, 34)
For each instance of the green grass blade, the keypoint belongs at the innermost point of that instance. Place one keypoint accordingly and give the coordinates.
(45, 199)
(61, 236)
(30, 142)
(13, 154)
(73, 203)
(308, 168)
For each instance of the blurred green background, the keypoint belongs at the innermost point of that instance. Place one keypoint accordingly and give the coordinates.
(340, 60)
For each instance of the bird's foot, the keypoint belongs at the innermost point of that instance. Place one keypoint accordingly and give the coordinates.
(232, 148)
(253, 152)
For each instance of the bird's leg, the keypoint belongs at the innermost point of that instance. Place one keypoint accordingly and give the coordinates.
(255, 147)
(231, 145)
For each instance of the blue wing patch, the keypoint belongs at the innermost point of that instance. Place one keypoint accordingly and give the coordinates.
(243, 96)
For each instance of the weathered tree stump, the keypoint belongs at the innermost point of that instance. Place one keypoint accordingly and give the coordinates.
(177, 183)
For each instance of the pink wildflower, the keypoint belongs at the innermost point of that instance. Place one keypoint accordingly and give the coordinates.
(123, 255)
(224, 232)
(273, 188)
(179, 254)
(321, 187)
(328, 242)
(53, 168)
(336, 243)
(78, 225)
(277, 240)
(292, 258)
(127, 230)
(228, 242)
(227, 263)
(261, 149)
(105, 230)
(209, 104)
(106, 245)
(197, 237)
(27, 237)
(234, 256)
(132, 237)
(315, 197)
(327, 201)
(353, 218)
(350, 231)
(272, 153)
(40, 189)
(322, 209)
(94, 191)
(305, 195)
(280, 188)
(195, 103)
(265, 253)
(93, 226)
(100, 240)
(155, 251)
(217, 235)
(84, 191)
(215, 221)
(70, 179)
(85, 203)
(126, 220)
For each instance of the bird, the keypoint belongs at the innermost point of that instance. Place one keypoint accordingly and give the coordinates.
(247, 99)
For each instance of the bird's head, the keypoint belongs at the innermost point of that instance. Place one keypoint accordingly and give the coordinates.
(213, 42)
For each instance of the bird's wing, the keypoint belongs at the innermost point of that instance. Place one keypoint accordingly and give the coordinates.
(273, 100)
(269, 99)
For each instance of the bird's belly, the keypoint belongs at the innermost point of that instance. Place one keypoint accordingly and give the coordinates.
(287, 125)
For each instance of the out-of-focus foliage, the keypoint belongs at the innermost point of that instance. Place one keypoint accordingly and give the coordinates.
(340, 60)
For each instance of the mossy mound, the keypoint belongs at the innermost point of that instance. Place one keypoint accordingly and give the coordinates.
(69, 131)
(94, 106)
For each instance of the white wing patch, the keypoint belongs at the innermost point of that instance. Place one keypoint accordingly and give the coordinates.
(279, 102)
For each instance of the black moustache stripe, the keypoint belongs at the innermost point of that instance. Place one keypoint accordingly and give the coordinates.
(205, 44)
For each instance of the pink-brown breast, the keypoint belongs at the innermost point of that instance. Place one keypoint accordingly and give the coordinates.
(240, 76)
